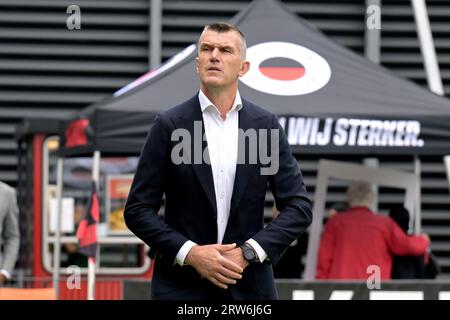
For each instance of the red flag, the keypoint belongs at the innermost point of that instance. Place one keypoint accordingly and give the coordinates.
(76, 133)
(87, 229)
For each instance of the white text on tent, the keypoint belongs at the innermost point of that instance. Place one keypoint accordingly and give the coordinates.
(352, 132)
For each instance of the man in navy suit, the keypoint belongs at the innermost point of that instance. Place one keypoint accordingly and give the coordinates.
(202, 155)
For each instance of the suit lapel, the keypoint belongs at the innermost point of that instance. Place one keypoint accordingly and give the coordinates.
(243, 170)
(202, 170)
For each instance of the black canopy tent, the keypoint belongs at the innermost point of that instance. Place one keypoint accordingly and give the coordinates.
(329, 99)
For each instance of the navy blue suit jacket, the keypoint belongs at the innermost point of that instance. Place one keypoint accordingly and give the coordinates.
(190, 205)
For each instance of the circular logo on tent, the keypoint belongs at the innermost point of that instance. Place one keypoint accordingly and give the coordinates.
(285, 69)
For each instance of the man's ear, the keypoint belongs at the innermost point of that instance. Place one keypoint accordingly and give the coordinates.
(244, 68)
(196, 65)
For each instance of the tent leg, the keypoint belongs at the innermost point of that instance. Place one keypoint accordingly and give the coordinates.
(418, 198)
(316, 227)
(57, 242)
(91, 261)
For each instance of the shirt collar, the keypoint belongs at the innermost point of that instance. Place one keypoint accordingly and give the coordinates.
(205, 103)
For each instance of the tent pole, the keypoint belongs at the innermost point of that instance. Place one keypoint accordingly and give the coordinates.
(431, 65)
(155, 23)
(372, 32)
(427, 46)
(447, 167)
(92, 261)
(373, 163)
(57, 242)
(418, 198)
(372, 36)
(20, 190)
(316, 226)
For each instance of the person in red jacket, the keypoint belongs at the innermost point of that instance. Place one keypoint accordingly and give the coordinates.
(358, 238)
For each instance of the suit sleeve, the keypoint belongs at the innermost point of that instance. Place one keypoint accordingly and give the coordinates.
(144, 200)
(11, 235)
(291, 200)
(401, 244)
(326, 250)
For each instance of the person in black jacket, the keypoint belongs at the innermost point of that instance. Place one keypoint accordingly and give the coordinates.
(213, 224)
(411, 267)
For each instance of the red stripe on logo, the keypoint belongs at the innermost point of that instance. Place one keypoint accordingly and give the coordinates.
(279, 73)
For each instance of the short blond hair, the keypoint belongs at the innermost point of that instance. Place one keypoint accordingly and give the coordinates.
(360, 193)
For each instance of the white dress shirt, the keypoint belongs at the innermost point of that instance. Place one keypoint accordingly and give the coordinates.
(222, 140)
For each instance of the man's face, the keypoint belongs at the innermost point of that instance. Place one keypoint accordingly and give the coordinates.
(219, 62)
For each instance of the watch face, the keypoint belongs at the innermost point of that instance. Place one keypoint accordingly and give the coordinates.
(249, 254)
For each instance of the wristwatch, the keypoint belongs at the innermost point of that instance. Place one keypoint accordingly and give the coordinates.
(249, 253)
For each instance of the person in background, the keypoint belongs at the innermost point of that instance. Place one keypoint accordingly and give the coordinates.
(358, 238)
(74, 256)
(9, 232)
(411, 267)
